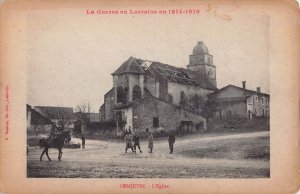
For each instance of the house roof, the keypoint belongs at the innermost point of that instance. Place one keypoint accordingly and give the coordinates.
(54, 112)
(37, 118)
(247, 92)
(131, 65)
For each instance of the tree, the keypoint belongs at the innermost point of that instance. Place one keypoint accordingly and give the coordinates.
(209, 108)
(62, 118)
(82, 112)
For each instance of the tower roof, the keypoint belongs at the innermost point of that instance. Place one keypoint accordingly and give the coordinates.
(131, 65)
(200, 48)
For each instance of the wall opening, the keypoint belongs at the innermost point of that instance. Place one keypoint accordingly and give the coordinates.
(136, 93)
(120, 94)
(155, 122)
(182, 98)
(125, 94)
(197, 101)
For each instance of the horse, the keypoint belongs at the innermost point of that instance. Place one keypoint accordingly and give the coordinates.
(56, 143)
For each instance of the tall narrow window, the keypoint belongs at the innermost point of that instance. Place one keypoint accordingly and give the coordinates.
(170, 98)
(197, 101)
(125, 94)
(120, 94)
(155, 122)
(182, 98)
(136, 93)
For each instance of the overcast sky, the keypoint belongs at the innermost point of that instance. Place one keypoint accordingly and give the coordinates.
(71, 55)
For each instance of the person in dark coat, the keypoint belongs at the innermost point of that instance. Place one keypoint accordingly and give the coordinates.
(150, 141)
(128, 141)
(171, 142)
(128, 131)
(53, 134)
(136, 141)
(83, 142)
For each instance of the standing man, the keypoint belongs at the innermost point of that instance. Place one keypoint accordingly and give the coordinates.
(136, 141)
(171, 142)
(83, 141)
(150, 141)
(129, 130)
(128, 143)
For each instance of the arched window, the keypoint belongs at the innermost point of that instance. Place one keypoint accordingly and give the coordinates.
(197, 101)
(136, 93)
(125, 94)
(120, 94)
(182, 98)
(170, 98)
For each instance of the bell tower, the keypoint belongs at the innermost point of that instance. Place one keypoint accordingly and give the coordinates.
(202, 62)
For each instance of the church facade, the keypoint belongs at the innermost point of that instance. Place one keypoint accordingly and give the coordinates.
(158, 96)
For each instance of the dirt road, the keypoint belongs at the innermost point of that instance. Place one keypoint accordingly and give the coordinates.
(103, 159)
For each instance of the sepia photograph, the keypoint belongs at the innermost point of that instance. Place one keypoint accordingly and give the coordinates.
(149, 96)
(114, 93)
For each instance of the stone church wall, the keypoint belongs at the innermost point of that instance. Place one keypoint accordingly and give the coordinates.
(151, 85)
(120, 80)
(109, 106)
(169, 116)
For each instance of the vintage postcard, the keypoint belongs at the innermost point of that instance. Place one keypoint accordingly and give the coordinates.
(149, 97)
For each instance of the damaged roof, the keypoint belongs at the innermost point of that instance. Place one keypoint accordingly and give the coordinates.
(168, 72)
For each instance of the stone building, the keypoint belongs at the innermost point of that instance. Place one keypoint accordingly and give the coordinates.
(238, 102)
(158, 96)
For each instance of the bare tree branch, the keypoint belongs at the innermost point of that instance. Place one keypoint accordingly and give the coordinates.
(83, 112)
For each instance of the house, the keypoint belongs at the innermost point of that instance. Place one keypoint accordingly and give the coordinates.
(36, 122)
(233, 101)
(61, 116)
(158, 96)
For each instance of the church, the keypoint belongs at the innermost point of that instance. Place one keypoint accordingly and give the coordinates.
(159, 96)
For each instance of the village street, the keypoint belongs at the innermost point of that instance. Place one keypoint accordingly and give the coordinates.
(244, 155)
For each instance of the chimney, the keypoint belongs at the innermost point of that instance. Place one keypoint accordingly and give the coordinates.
(258, 89)
(244, 84)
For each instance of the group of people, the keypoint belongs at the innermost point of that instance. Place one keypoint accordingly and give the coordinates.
(133, 141)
